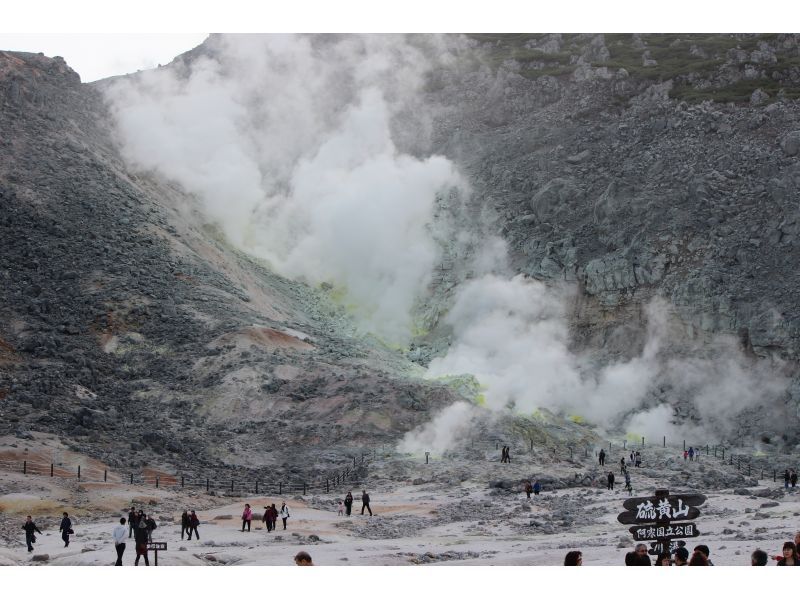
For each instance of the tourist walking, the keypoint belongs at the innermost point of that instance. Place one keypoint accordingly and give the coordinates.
(691, 453)
(628, 486)
(30, 527)
(537, 487)
(247, 517)
(786, 478)
(793, 478)
(610, 480)
(528, 489)
(638, 456)
(193, 523)
(184, 523)
(348, 503)
(284, 513)
(66, 529)
(365, 502)
(602, 457)
(141, 538)
(340, 512)
(119, 540)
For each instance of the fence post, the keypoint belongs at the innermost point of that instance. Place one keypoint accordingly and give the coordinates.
(354, 460)
(642, 441)
(748, 469)
(570, 452)
(105, 475)
(131, 479)
(531, 444)
(624, 445)
(79, 472)
(51, 470)
(280, 487)
(304, 488)
(327, 487)
(706, 450)
(774, 476)
(182, 481)
(665, 442)
(684, 445)
(723, 453)
(207, 485)
(231, 486)
(609, 445)
(256, 486)
(426, 457)
(24, 467)
(156, 481)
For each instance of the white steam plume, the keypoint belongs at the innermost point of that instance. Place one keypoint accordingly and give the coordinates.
(287, 141)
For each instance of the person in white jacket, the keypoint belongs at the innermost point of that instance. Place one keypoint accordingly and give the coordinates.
(284, 514)
(119, 534)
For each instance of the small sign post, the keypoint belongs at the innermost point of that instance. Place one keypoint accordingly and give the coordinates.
(155, 547)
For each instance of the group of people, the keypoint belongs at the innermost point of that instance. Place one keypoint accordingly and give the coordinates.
(189, 525)
(691, 454)
(270, 516)
(700, 556)
(346, 505)
(505, 455)
(536, 487)
(789, 477)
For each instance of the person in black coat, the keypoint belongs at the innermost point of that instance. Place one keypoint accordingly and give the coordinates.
(133, 522)
(30, 527)
(141, 536)
(65, 529)
(184, 523)
(348, 503)
(610, 480)
(365, 503)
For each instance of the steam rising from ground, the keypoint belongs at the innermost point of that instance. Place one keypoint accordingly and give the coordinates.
(512, 335)
(287, 141)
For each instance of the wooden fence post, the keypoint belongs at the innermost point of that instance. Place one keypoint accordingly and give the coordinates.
(156, 481)
(207, 485)
(642, 441)
(231, 486)
(105, 475)
(182, 481)
(79, 472)
(131, 479)
(665, 442)
(280, 487)
(774, 476)
(684, 445)
(304, 488)
(51, 470)
(256, 486)
(24, 467)
(327, 487)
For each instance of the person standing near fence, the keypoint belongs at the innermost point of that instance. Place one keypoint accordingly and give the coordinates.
(119, 541)
(30, 528)
(691, 453)
(284, 513)
(141, 538)
(365, 502)
(66, 529)
(638, 459)
(265, 518)
(193, 523)
(602, 457)
(133, 521)
(247, 517)
(348, 503)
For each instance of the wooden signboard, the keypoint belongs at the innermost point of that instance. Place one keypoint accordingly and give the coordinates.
(662, 518)
(155, 547)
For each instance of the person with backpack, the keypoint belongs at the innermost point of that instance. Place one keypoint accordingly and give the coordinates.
(30, 527)
(184, 522)
(193, 523)
(348, 503)
(284, 513)
(141, 537)
(66, 529)
(247, 517)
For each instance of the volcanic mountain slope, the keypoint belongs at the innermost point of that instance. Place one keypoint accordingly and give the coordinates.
(135, 333)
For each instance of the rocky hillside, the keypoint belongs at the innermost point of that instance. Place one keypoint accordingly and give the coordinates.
(136, 334)
(631, 165)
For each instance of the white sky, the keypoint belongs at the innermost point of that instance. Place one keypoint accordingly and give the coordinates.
(99, 39)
